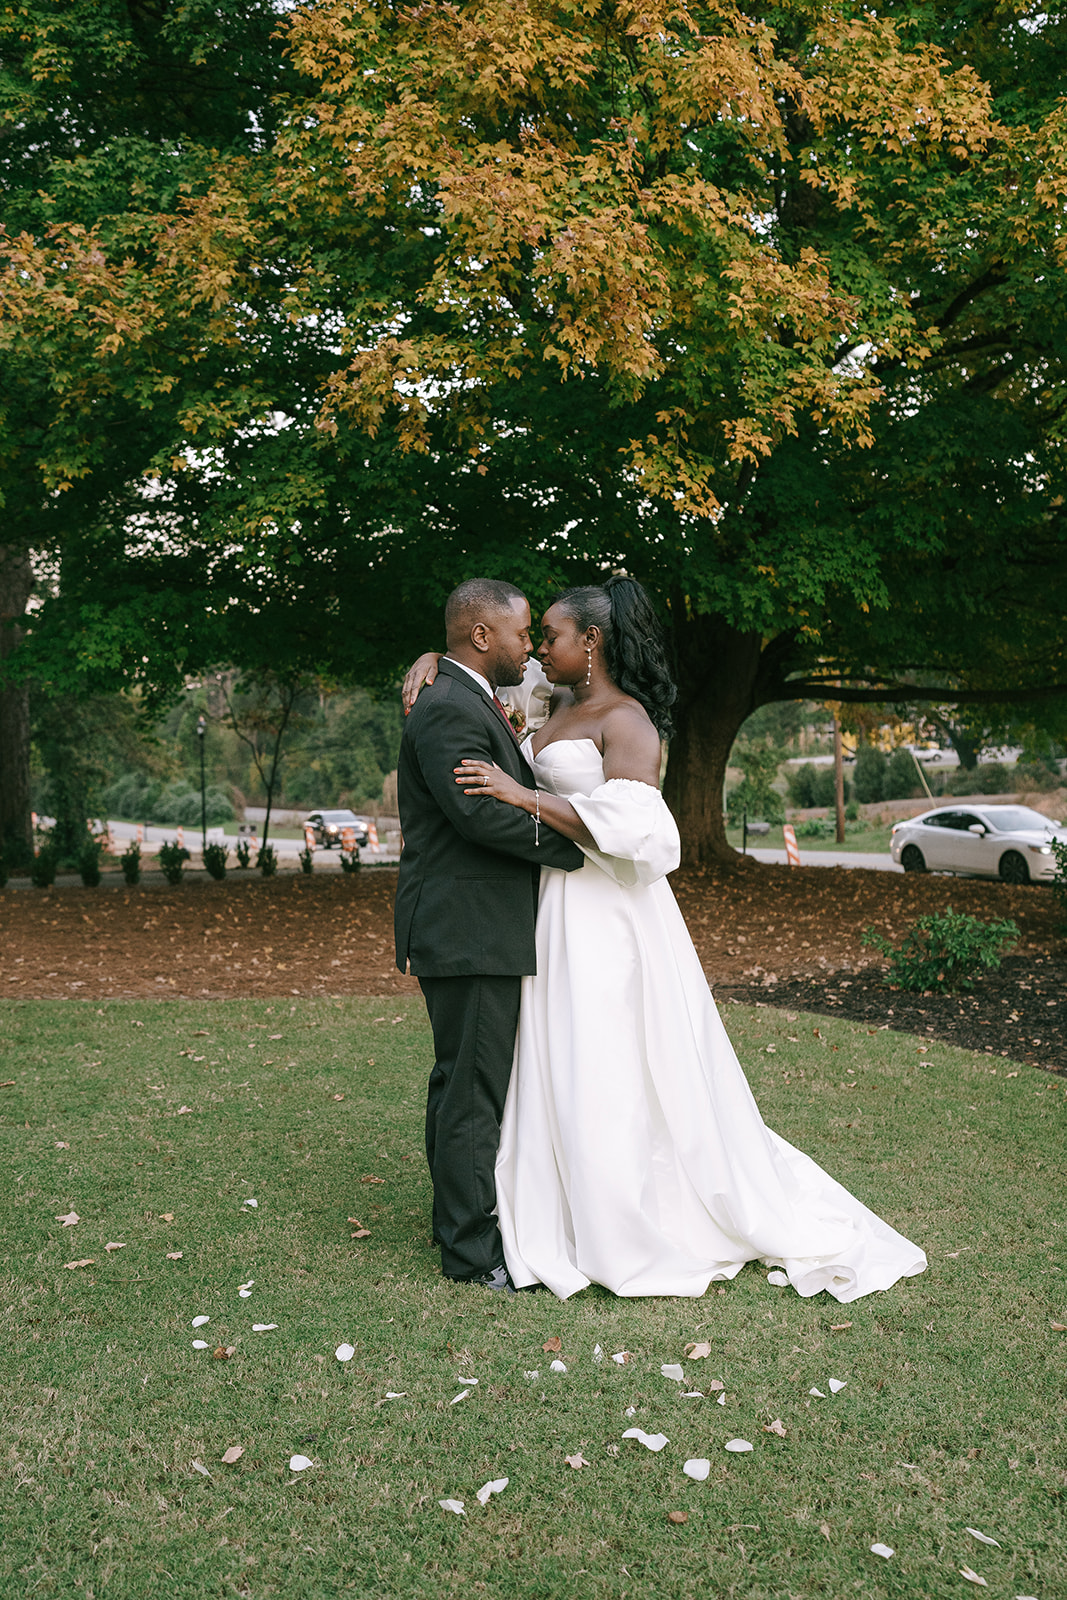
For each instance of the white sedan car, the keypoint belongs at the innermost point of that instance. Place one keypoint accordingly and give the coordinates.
(1009, 842)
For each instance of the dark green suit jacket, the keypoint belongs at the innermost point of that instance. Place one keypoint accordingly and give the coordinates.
(466, 901)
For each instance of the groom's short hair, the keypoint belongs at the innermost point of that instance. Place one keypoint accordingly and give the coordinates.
(474, 601)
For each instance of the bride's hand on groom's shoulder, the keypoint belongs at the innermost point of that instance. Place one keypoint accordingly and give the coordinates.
(423, 671)
(483, 778)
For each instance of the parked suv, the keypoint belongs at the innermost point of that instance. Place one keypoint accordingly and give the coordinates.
(329, 827)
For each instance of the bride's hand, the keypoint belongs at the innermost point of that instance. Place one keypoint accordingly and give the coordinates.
(423, 671)
(483, 778)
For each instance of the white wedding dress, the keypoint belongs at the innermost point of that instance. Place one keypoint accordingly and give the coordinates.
(632, 1152)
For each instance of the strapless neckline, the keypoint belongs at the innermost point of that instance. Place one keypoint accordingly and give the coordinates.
(537, 754)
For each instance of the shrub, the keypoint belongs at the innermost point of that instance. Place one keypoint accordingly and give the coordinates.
(989, 777)
(900, 780)
(43, 871)
(307, 859)
(172, 859)
(350, 861)
(244, 853)
(943, 951)
(868, 778)
(1059, 882)
(800, 786)
(88, 862)
(215, 856)
(815, 828)
(267, 860)
(130, 862)
(755, 794)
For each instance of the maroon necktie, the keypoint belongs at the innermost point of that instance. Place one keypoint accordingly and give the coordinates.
(500, 707)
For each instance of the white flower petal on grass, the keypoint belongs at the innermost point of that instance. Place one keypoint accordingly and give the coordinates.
(779, 1279)
(299, 1463)
(464, 1394)
(883, 1550)
(621, 1357)
(390, 1394)
(983, 1538)
(631, 1411)
(263, 1327)
(532, 1376)
(697, 1468)
(598, 1354)
(972, 1577)
(472, 1383)
(244, 1293)
(737, 1446)
(671, 1369)
(720, 1399)
(452, 1505)
(198, 1466)
(198, 1322)
(252, 1203)
(247, 1285)
(345, 1352)
(817, 1393)
(557, 1366)
(494, 1486)
(200, 1344)
(651, 1441)
(837, 1384)
(692, 1394)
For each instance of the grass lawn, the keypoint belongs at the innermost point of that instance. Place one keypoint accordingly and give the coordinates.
(869, 839)
(156, 1122)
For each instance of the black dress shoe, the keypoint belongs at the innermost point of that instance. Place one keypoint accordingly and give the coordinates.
(497, 1279)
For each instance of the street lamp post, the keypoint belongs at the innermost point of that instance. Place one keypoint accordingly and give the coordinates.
(201, 729)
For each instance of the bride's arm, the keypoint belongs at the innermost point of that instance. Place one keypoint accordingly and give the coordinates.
(421, 672)
(483, 778)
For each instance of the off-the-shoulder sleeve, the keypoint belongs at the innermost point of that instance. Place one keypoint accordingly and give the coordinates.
(531, 697)
(637, 838)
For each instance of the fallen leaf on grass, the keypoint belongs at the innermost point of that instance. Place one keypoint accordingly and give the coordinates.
(70, 1219)
(87, 1262)
(671, 1369)
(263, 1327)
(737, 1447)
(61, 1144)
(446, 1505)
(166, 1216)
(360, 1233)
(577, 1461)
(1058, 1327)
(221, 1354)
(112, 1245)
(972, 1577)
(621, 1357)
(494, 1486)
(651, 1441)
(775, 1427)
(824, 1529)
(837, 1384)
(677, 1516)
(183, 1111)
(368, 1179)
(234, 1453)
(839, 1327)
(983, 1538)
(174, 1255)
(8, 1083)
(199, 1322)
(715, 1385)
(697, 1352)
(345, 1352)
(338, 1097)
(198, 1466)
(299, 1463)
(883, 1550)
(553, 1344)
(697, 1468)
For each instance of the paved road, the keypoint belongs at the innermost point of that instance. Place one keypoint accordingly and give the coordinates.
(155, 836)
(830, 858)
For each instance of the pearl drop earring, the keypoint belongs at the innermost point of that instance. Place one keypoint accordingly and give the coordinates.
(589, 670)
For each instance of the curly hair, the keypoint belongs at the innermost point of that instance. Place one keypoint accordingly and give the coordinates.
(635, 653)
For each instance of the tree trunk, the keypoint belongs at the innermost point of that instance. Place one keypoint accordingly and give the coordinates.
(717, 668)
(16, 830)
(839, 782)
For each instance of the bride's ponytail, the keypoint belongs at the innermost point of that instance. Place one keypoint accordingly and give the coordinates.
(634, 650)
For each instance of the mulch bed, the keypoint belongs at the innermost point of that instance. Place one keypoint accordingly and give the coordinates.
(775, 935)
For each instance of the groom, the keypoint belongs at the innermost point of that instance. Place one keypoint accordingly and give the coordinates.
(465, 909)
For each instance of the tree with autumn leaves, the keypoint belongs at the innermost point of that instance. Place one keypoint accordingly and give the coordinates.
(763, 305)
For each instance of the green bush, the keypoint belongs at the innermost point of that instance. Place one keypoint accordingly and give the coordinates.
(989, 777)
(172, 859)
(43, 871)
(88, 862)
(267, 860)
(307, 859)
(215, 856)
(800, 786)
(901, 780)
(755, 794)
(173, 805)
(868, 777)
(244, 853)
(943, 951)
(1059, 882)
(130, 862)
(350, 861)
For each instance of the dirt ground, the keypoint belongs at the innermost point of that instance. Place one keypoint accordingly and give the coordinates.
(776, 935)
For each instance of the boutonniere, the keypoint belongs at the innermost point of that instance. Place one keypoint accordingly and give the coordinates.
(517, 720)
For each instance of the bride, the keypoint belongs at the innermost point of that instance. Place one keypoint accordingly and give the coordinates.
(632, 1153)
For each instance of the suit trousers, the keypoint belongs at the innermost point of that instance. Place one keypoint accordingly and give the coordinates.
(474, 1021)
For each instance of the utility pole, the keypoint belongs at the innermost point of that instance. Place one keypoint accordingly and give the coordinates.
(201, 730)
(839, 781)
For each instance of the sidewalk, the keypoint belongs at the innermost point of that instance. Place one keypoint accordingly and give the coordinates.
(829, 858)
